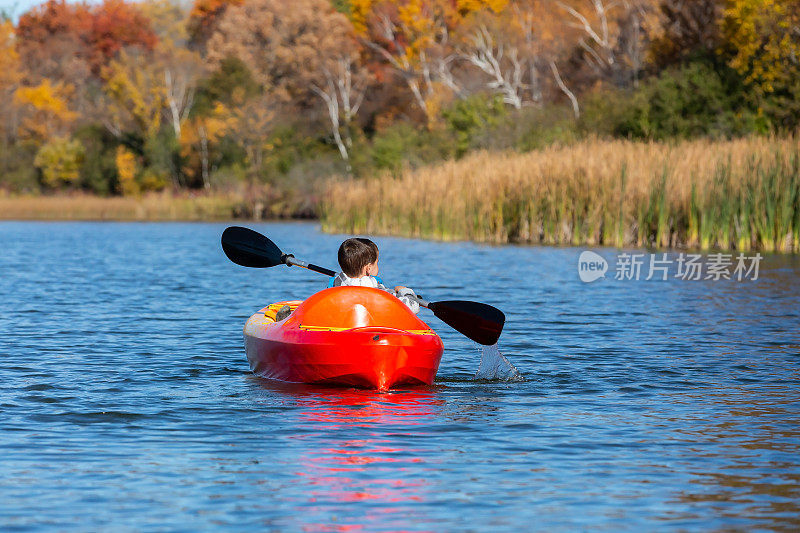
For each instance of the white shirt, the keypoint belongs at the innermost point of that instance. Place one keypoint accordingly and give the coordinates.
(407, 296)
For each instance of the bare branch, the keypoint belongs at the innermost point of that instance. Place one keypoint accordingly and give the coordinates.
(561, 85)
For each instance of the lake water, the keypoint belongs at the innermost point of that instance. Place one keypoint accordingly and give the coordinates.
(126, 401)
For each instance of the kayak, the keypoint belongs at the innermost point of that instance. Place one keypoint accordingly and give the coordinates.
(351, 336)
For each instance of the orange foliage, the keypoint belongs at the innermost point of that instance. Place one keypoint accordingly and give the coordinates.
(205, 14)
(117, 24)
(56, 32)
(55, 17)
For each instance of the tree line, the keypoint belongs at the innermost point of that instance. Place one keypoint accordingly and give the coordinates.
(127, 97)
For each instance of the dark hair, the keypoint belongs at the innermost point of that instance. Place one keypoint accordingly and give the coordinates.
(355, 254)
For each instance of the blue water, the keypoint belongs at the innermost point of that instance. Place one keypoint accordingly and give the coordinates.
(126, 401)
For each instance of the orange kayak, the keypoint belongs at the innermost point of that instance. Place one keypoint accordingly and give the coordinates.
(352, 336)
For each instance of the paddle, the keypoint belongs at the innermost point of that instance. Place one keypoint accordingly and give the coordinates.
(480, 322)
(249, 248)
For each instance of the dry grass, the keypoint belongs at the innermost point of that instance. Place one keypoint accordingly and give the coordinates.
(146, 208)
(742, 194)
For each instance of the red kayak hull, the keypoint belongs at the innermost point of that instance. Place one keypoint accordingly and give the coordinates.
(350, 336)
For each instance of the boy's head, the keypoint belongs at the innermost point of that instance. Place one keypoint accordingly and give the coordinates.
(355, 255)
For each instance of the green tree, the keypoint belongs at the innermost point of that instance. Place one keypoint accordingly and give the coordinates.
(468, 117)
(60, 161)
(691, 101)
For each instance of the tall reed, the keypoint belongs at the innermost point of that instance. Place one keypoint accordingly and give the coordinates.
(741, 194)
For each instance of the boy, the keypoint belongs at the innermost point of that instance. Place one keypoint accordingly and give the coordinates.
(358, 258)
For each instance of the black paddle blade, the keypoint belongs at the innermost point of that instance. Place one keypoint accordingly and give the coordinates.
(480, 322)
(249, 248)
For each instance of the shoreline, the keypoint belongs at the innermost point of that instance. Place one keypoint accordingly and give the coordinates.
(147, 208)
(61, 200)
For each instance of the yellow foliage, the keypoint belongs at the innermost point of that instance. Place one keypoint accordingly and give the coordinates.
(470, 6)
(127, 168)
(48, 107)
(418, 15)
(46, 97)
(201, 134)
(209, 128)
(136, 87)
(360, 11)
(152, 181)
(438, 99)
(9, 58)
(762, 34)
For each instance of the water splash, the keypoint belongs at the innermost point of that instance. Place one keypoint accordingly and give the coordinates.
(495, 367)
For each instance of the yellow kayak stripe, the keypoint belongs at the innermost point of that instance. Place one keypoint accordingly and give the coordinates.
(327, 328)
(272, 309)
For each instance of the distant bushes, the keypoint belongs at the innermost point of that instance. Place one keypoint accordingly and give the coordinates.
(682, 102)
(17, 169)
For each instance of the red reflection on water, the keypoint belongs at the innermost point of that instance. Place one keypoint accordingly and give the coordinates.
(370, 466)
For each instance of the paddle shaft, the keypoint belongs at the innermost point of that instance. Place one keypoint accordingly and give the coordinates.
(292, 261)
(424, 303)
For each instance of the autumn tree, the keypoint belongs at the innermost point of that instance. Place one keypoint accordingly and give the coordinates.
(204, 17)
(612, 35)
(498, 55)
(136, 95)
(299, 56)
(150, 96)
(146, 87)
(53, 42)
(686, 29)
(199, 140)
(764, 36)
(117, 24)
(168, 20)
(510, 49)
(70, 43)
(64, 41)
(413, 37)
(254, 121)
(182, 70)
(127, 171)
(60, 160)
(45, 109)
(763, 40)
(10, 78)
(342, 90)
(595, 21)
(285, 48)
(182, 66)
